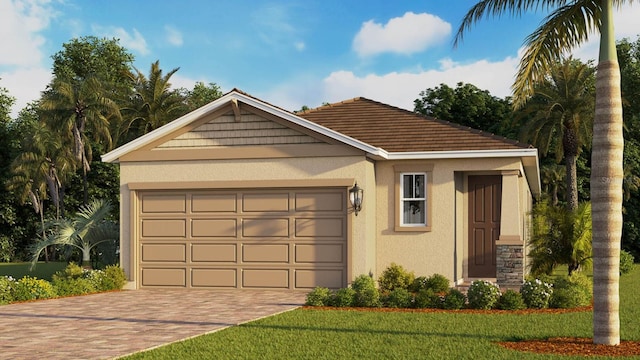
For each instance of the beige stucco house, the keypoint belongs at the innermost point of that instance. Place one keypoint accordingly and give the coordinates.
(243, 194)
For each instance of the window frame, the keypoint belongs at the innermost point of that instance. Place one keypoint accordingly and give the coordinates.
(412, 169)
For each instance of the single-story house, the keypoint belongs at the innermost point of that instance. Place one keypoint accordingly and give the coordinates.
(243, 194)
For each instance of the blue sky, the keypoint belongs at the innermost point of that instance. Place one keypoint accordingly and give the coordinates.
(289, 53)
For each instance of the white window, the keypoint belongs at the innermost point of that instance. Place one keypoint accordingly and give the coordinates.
(413, 199)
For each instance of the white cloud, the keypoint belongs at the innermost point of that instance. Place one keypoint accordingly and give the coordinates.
(25, 84)
(408, 34)
(134, 41)
(174, 36)
(20, 24)
(299, 45)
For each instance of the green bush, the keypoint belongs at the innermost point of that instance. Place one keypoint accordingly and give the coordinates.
(344, 297)
(436, 282)
(7, 283)
(395, 277)
(111, 278)
(30, 288)
(398, 298)
(536, 293)
(454, 300)
(366, 293)
(626, 262)
(427, 299)
(318, 297)
(511, 300)
(483, 294)
(73, 286)
(570, 296)
(7, 249)
(571, 291)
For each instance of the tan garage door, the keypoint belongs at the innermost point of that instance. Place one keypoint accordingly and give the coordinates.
(286, 239)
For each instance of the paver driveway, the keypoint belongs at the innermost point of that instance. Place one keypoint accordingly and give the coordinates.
(108, 325)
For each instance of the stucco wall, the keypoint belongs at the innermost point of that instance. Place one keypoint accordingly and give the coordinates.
(443, 249)
(361, 256)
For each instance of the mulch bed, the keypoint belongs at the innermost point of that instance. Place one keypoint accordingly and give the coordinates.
(558, 345)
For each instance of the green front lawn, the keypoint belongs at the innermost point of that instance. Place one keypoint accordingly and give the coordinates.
(42, 270)
(321, 334)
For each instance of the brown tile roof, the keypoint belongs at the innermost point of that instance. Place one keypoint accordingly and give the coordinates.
(398, 130)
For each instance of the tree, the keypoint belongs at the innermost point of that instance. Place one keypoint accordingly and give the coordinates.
(152, 103)
(201, 95)
(560, 114)
(82, 111)
(551, 177)
(465, 105)
(568, 25)
(560, 236)
(86, 230)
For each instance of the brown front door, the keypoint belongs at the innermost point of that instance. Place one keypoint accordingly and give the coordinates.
(485, 194)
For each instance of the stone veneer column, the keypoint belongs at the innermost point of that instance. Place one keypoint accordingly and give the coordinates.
(510, 246)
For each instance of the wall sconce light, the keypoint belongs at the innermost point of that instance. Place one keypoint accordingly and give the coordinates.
(355, 197)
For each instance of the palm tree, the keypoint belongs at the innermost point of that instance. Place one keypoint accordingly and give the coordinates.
(551, 177)
(82, 111)
(152, 103)
(567, 26)
(562, 107)
(86, 230)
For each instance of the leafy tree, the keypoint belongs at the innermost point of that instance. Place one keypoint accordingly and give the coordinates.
(86, 230)
(152, 103)
(466, 105)
(551, 177)
(201, 95)
(82, 111)
(560, 236)
(560, 114)
(568, 25)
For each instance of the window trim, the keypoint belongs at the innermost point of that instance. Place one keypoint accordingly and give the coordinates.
(406, 169)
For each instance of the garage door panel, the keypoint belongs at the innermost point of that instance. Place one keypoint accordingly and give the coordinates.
(213, 253)
(270, 227)
(320, 201)
(265, 202)
(164, 228)
(164, 203)
(164, 252)
(319, 227)
(220, 278)
(308, 279)
(164, 277)
(213, 227)
(278, 253)
(245, 238)
(265, 278)
(311, 253)
(213, 203)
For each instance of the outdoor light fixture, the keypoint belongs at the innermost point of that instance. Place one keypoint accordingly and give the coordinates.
(355, 196)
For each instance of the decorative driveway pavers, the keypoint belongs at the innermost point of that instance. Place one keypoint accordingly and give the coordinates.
(108, 325)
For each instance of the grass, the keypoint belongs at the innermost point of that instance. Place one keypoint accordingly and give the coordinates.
(41, 271)
(318, 334)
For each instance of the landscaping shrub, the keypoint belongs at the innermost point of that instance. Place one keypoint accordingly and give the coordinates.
(536, 293)
(454, 300)
(366, 293)
(626, 262)
(427, 299)
(511, 300)
(7, 283)
(111, 278)
(483, 294)
(73, 280)
(30, 288)
(398, 298)
(343, 298)
(318, 297)
(395, 277)
(419, 283)
(570, 296)
(571, 291)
